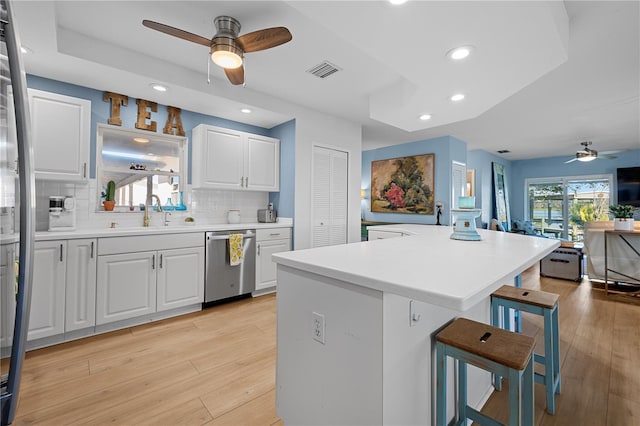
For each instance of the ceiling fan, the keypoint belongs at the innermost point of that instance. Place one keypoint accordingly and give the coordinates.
(587, 154)
(226, 48)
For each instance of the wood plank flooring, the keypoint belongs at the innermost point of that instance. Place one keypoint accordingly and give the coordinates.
(217, 367)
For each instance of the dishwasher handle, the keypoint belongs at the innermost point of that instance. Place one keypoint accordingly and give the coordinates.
(226, 237)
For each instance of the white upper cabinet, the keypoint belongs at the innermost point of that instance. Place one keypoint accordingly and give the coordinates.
(230, 159)
(61, 133)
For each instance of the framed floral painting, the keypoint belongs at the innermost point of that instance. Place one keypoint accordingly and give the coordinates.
(403, 185)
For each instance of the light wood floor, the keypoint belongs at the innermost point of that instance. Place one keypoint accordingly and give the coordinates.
(218, 367)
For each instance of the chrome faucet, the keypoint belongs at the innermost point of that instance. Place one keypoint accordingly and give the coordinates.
(145, 219)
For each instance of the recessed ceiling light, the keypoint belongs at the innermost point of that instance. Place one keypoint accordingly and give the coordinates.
(397, 2)
(25, 49)
(457, 97)
(425, 117)
(459, 53)
(246, 110)
(141, 140)
(158, 87)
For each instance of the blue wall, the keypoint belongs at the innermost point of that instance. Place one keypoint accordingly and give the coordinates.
(101, 110)
(556, 167)
(446, 150)
(285, 199)
(482, 163)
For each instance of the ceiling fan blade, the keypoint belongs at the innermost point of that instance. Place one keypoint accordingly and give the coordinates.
(264, 39)
(571, 161)
(607, 156)
(185, 35)
(235, 75)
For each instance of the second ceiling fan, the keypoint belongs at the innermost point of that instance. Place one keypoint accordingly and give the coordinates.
(227, 49)
(587, 154)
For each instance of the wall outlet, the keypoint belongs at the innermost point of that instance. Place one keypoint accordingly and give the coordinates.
(318, 327)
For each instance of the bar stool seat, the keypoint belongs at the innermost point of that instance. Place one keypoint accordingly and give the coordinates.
(539, 303)
(498, 351)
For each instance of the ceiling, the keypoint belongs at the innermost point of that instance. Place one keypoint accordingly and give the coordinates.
(542, 76)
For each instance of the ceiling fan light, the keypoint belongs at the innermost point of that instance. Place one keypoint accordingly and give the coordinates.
(226, 54)
(587, 158)
(226, 59)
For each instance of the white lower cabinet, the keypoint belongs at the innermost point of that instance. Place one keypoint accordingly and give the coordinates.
(180, 278)
(80, 294)
(126, 286)
(7, 295)
(269, 242)
(47, 294)
(146, 281)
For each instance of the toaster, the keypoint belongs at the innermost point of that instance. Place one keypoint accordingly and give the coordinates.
(267, 215)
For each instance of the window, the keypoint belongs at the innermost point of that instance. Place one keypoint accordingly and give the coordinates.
(141, 164)
(559, 207)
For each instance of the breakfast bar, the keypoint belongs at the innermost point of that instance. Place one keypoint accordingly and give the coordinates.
(356, 322)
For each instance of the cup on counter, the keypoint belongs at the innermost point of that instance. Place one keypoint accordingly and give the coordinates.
(233, 216)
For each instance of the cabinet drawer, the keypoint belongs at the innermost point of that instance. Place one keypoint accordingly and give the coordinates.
(116, 245)
(273, 234)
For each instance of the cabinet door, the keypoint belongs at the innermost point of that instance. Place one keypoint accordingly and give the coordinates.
(7, 298)
(180, 277)
(126, 286)
(80, 293)
(265, 267)
(61, 135)
(262, 167)
(218, 159)
(47, 294)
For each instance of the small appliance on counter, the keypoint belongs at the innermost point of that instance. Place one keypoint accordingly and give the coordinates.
(62, 213)
(268, 215)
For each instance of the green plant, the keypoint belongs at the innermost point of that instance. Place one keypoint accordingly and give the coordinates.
(111, 191)
(621, 211)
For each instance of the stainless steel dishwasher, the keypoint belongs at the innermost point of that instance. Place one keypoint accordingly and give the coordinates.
(223, 280)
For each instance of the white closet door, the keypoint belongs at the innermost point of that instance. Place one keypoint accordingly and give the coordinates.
(458, 182)
(329, 197)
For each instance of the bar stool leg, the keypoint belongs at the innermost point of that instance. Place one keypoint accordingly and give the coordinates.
(515, 403)
(556, 353)
(495, 321)
(527, 395)
(462, 392)
(441, 385)
(517, 282)
(549, 369)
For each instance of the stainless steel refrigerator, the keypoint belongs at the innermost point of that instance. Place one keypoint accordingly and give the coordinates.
(17, 212)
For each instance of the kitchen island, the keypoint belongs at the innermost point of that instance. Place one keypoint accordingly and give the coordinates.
(356, 322)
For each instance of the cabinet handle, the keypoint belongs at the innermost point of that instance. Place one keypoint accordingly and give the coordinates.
(246, 182)
(153, 262)
(160, 261)
(91, 249)
(258, 249)
(84, 170)
(60, 252)
(242, 182)
(274, 234)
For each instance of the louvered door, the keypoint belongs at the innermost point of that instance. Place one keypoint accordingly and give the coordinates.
(329, 197)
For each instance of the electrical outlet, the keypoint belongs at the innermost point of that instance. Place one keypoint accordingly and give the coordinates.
(318, 327)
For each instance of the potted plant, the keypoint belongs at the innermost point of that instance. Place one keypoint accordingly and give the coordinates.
(109, 198)
(623, 217)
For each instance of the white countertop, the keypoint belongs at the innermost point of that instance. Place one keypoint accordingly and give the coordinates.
(120, 231)
(428, 265)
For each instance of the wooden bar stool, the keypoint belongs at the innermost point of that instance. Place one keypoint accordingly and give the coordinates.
(539, 303)
(495, 350)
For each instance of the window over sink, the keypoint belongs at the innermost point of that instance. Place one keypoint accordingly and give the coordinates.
(140, 163)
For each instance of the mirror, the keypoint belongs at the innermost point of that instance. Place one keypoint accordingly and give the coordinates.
(140, 163)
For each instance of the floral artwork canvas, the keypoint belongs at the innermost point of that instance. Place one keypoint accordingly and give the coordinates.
(403, 185)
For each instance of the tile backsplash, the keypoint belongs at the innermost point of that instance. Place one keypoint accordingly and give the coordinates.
(207, 206)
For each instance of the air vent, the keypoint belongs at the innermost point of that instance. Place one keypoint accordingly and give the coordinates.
(503, 151)
(324, 69)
